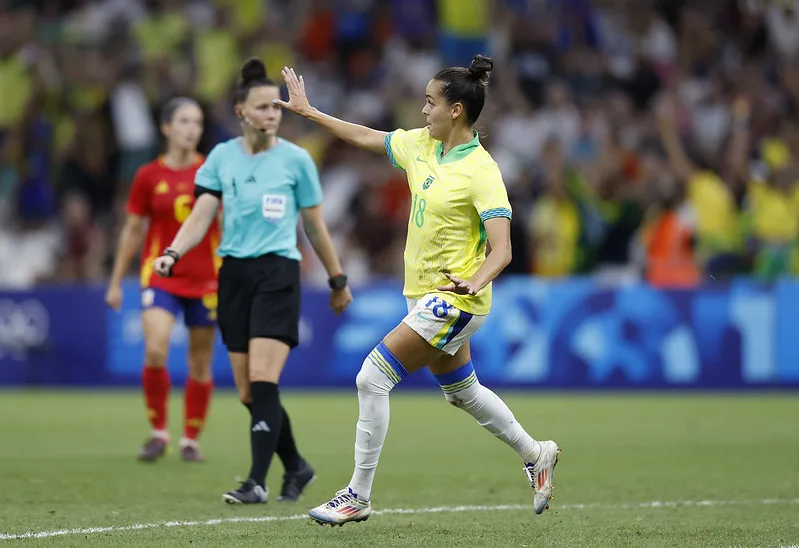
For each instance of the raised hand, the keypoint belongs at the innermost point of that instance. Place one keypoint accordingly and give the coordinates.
(298, 102)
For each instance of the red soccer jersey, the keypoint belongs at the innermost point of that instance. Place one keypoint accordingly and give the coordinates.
(165, 196)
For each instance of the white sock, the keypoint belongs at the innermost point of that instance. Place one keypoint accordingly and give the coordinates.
(492, 414)
(186, 442)
(379, 373)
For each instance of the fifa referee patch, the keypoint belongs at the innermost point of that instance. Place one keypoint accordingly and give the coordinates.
(273, 207)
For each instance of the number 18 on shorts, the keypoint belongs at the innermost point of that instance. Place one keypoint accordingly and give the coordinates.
(440, 323)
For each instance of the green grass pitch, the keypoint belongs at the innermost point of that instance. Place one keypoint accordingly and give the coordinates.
(636, 470)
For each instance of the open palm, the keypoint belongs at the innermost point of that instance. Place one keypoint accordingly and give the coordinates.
(298, 102)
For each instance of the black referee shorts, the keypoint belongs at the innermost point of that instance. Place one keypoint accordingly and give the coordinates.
(259, 298)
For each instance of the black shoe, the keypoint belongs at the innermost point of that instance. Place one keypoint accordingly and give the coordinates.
(294, 483)
(249, 493)
(191, 453)
(153, 449)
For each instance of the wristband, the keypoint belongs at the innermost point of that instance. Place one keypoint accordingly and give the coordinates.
(169, 252)
(338, 282)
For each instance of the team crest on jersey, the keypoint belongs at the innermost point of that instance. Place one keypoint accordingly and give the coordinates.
(162, 188)
(427, 182)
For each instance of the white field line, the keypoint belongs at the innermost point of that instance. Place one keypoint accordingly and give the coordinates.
(391, 511)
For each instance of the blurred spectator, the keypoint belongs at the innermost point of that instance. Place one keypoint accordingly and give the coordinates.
(668, 236)
(717, 215)
(17, 66)
(84, 241)
(782, 18)
(134, 130)
(648, 138)
(555, 223)
(29, 242)
(87, 169)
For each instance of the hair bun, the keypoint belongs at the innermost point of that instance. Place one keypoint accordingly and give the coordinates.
(253, 70)
(480, 67)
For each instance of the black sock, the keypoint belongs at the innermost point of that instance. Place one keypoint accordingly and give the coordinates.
(287, 447)
(264, 429)
(248, 406)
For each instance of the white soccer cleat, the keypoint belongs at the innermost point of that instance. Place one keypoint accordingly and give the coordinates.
(540, 475)
(341, 509)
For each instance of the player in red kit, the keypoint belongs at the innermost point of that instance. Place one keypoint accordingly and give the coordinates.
(163, 194)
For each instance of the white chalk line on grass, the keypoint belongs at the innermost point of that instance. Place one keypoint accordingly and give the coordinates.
(391, 511)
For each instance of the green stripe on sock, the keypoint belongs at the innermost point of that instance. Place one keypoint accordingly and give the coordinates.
(381, 363)
(461, 385)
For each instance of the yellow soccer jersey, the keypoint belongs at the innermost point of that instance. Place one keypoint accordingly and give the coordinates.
(451, 197)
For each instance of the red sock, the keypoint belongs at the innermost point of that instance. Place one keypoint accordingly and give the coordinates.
(155, 382)
(196, 403)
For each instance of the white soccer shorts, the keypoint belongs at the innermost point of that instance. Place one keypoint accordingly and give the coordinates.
(441, 324)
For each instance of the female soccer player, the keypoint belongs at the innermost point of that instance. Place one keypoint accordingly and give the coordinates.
(162, 193)
(264, 184)
(459, 201)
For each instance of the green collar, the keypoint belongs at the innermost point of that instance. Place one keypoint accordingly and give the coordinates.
(457, 153)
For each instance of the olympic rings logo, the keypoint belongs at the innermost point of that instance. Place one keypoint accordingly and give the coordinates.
(24, 325)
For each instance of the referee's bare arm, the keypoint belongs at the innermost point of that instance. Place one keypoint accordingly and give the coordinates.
(316, 230)
(360, 136)
(193, 229)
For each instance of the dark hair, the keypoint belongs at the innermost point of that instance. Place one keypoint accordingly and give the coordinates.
(171, 107)
(253, 75)
(467, 86)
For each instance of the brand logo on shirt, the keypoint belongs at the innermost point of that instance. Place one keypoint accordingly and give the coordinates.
(162, 188)
(427, 182)
(249, 180)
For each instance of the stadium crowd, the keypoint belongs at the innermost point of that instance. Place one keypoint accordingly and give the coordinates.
(654, 139)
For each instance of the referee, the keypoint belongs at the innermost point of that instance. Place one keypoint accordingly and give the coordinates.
(264, 184)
